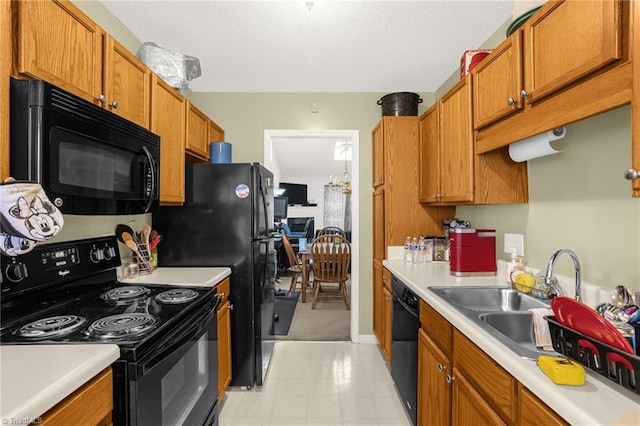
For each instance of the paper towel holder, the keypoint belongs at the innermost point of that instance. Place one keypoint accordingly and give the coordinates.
(536, 146)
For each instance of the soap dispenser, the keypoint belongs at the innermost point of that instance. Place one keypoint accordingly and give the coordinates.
(515, 264)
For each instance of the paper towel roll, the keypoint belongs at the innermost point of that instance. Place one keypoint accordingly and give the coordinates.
(536, 146)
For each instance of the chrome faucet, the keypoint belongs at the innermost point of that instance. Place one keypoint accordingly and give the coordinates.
(549, 280)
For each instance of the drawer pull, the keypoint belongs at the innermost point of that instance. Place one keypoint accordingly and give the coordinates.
(441, 368)
(449, 378)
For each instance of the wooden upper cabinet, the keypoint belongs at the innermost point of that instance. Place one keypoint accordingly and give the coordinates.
(197, 132)
(497, 82)
(456, 145)
(430, 154)
(569, 40)
(126, 83)
(68, 53)
(378, 154)
(216, 134)
(78, 56)
(168, 122)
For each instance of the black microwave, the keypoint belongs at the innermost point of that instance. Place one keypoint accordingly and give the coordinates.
(88, 160)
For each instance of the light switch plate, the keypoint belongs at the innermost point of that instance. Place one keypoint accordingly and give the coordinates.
(514, 241)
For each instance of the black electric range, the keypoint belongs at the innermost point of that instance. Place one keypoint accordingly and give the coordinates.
(68, 293)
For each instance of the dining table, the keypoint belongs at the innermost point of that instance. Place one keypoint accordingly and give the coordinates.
(305, 257)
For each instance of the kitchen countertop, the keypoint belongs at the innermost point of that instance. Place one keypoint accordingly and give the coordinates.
(34, 378)
(598, 402)
(186, 276)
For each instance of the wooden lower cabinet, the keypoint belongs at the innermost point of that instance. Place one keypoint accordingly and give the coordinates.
(387, 312)
(382, 308)
(91, 405)
(469, 407)
(224, 339)
(459, 384)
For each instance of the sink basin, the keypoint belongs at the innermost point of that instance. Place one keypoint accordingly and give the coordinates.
(488, 299)
(500, 311)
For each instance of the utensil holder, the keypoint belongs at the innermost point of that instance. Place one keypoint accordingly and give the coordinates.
(143, 258)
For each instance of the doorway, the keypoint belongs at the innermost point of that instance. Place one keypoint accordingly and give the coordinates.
(273, 137)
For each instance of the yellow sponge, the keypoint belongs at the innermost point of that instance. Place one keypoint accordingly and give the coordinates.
(562, 371)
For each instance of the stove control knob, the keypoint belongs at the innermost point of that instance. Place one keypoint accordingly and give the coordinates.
(109, 253)
(16, 272)
(96, 255)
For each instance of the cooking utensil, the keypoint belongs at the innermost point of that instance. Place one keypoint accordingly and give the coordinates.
(126, 236)
(120, 228)
(146, 231)
(582, 318)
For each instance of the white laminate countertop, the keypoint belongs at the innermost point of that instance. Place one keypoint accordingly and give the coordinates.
(34, 378)
(598, 402)
(185, 276)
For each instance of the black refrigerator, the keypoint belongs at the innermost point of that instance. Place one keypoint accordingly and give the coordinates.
(227, 220)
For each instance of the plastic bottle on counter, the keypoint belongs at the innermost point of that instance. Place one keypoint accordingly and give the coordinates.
(515, 264)
(407, 249)
(414, 250)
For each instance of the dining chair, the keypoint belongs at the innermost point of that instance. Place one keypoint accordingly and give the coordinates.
(331, 256)
(295, 265)
(331, 230)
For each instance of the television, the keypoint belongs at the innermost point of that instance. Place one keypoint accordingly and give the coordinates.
(280, 205)
(296, 192)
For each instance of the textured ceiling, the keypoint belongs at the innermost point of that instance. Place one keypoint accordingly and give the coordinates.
(340, 46)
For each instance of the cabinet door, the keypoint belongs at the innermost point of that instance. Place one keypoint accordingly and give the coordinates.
(379, 246)
(5, 72)
(127, 84)
(534, 412)
(434, 388)
(456, 145)
(168, 122)
(224, 348)
(469, 408)
(377, 302)
(378, 154)
(569, 40)
(216, 134)
(497, 82)
(429, 155)
(197, 132)
(387, 311)
(60, 44)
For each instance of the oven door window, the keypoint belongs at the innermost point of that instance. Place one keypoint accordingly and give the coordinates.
(180, 386)
(85, 166)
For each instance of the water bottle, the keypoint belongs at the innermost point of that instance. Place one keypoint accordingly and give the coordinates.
(414, 250)
(407, 249)
(422, 250)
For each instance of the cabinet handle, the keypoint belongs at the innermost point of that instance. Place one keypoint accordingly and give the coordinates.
(511, 101)
(222, 295)
(114, 104)
(100, 98)
(441, 368)
(388, 299)
(631, 174)
(524, 94)
(231, 307)
(449, 378)
(384, 278)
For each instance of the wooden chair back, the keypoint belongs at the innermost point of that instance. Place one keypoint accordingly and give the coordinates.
(332, 230)
(331, 256)
(291, 255)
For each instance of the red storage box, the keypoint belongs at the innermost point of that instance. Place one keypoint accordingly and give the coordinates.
(467, 62)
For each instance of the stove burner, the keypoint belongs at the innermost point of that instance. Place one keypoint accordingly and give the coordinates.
(177, 295)
(51, 327)
(121, 325)
(126, 294)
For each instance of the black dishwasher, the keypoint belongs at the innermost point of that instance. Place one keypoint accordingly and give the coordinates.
(404, 345)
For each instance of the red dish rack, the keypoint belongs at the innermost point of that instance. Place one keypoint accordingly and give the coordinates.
(597, 356)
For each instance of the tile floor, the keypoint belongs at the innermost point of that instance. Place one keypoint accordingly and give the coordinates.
(319, 383)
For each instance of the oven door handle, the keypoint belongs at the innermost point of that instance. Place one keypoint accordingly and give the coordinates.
(152, 167)
(179, 338)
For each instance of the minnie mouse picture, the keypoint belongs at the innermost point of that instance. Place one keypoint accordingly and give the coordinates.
(38, 218)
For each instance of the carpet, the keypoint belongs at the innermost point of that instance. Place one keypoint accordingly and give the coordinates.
(285, 306)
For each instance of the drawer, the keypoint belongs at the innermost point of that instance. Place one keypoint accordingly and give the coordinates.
(496, 386)
(437, 327)
(387, 277)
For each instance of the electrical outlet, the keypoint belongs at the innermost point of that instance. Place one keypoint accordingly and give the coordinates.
(514, 241)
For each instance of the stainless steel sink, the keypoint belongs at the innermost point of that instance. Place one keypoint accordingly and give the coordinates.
(500, 311)
(488, 299)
